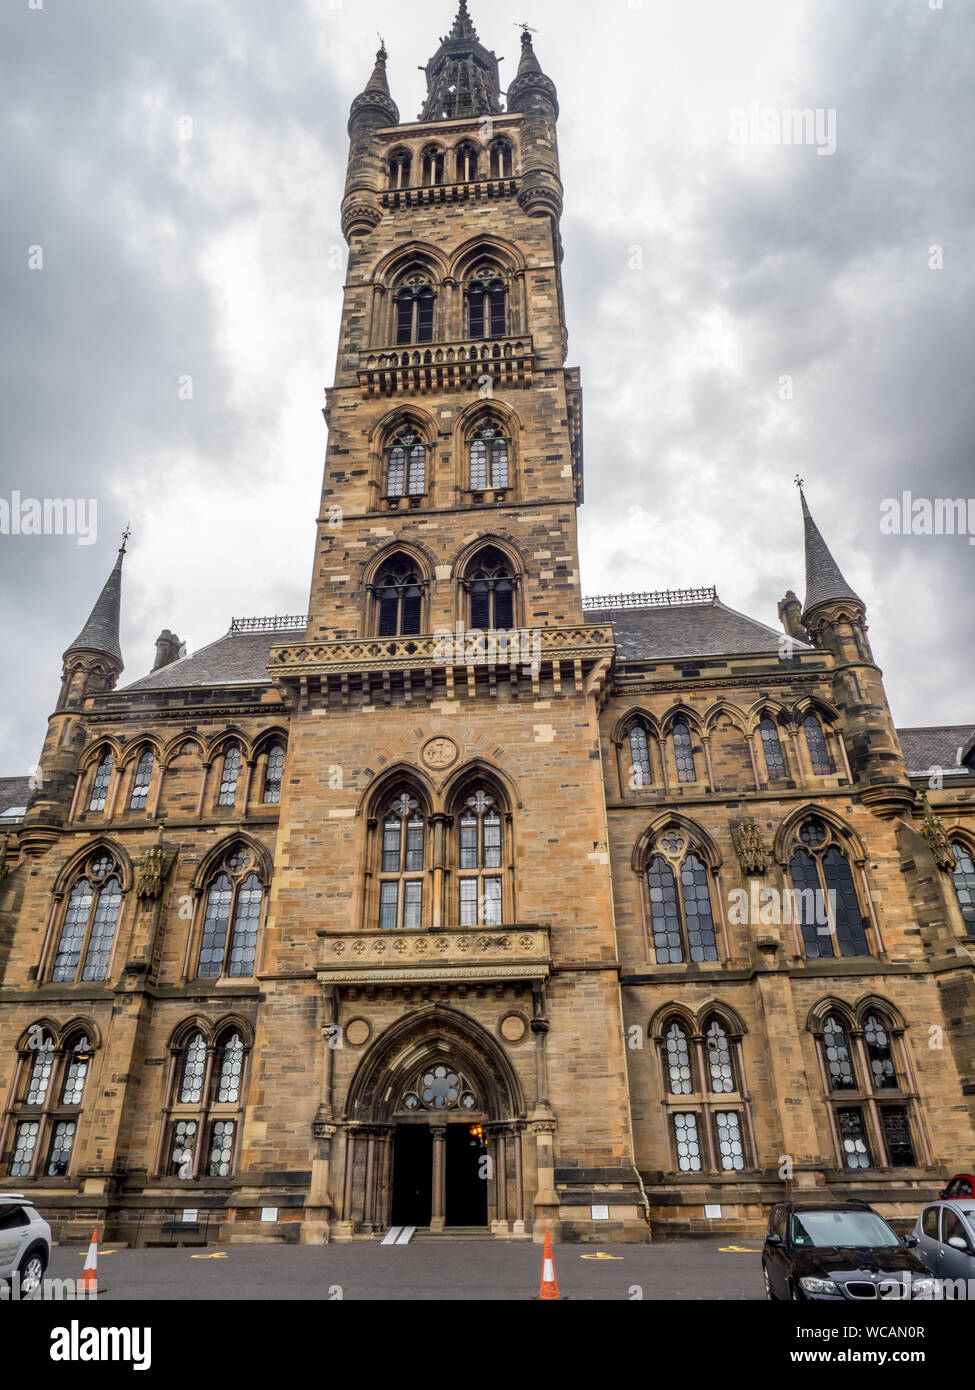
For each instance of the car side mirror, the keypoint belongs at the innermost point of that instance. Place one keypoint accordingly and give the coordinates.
(957, 1243)
(910, 1241)
(773, 1240)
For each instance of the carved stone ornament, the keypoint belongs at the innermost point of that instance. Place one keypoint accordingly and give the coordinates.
(752, 854)
(934, 831)
(440, 753)
(154, 872)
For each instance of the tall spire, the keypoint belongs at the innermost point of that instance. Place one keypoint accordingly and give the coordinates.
(462, 76)
(374, 102)
(101, 632)
(530, 80)
(824, 580)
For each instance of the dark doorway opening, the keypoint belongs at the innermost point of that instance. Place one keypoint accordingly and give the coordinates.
(412, 1176)
(466, 1160)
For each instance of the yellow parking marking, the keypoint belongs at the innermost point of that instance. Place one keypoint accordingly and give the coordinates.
(601, 1255)
(208, 1257)
(737, 1250)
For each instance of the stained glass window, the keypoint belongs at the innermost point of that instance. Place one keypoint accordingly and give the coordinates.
(231, 772)
(686, 1143)
(40, 1075)
(772, 747)
(274, 774)
(722, 1072)
(841, 892)
(684, 753)
(897, 1136)
(231, 1068)
(696, 894)
(489, 461)
(839, 1064)
(92, 911)
(664, 913)
(183, 1145)
(640, 775)
(141, 782)
(853, 1139)
(222, 1134)
(24, 1145)
(76, 1074)
(103, 778)
(62, 1141)
(731, 1150)
(964, 878)
(680, 1078)
(819, 757)
(882, 1070)
(194, 1069)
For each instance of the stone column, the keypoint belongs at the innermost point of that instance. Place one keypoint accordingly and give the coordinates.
(546, 1201)
(518, 1227)
(438, 1215)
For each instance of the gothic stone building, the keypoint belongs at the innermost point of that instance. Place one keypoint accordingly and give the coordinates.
(464, 901)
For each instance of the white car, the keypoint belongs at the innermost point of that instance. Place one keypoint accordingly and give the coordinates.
(25, 1243)
(946, 1238)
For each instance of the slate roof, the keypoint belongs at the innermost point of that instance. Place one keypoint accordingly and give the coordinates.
(14, 791)
(100, 632)
(686, 630)
(823, 578)
(237, 658)
(925, 749)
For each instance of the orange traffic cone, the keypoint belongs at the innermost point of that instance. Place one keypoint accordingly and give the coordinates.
(89, 1277)
(550, 1286)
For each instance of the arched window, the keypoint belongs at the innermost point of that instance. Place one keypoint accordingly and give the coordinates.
(680, 1076)
(400, 169)
(90, 918)
(772, 748)
(42, 1122)
(231, 919)
(101, 784)
(684, 753)
(406, 466)
(640, 774)
(398, 596)
(480, 860)
(202, 1120)
(502, 160)
(489, 459)
(825, 895)
(415, 303)
(682, 923)
(487, 305)
(821, 762)
(964, 880)
(721, 1071)
(870, 1129)
(467, 161)
(273, 774)
(433, 166)
(141, 782)
(230, 776)
(490, 586)
(401, 868)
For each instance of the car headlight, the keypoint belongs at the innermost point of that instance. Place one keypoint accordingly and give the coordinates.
(924, 1288)
(812, 1285)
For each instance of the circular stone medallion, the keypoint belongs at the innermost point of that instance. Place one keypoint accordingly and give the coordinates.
(513, 1028)
(440, 753)
(357, 1032)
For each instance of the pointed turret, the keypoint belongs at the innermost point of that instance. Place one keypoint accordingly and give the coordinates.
(100, 633)
(531, 81)
(462, 76)
(372, 109)
(824, 580)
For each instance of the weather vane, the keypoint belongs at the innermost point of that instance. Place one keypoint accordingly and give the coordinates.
(800, 482)
(527, 27)
(126, 534)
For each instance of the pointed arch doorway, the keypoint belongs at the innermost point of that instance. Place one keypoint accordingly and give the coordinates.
(434, 1138)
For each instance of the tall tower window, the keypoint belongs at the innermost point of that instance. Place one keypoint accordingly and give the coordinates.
(415, 303)
(466, 155)
(490, 465)
(490, 586)
(100, 786)
(682, 921)
(640, 774)
(826, 896)
(964, 878)
(400, 169)
(231, 920)
(141, 781)
(401, 865)
(433, 166)
(274, 774)
(684, 753)
(822, 764)
(502, 160)
(406, 467)
(487, 305)
(88, 928)
(480, 854)
(772, 748)
(230, 777)
(398, 596)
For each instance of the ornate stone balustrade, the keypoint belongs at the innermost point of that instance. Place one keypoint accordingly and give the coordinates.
(447, 367)
(452, 955)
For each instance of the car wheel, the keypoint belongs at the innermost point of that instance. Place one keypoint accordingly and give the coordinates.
(768, 1286)
(31, 1271)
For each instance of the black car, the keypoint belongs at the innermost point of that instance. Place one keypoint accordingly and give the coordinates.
(839, 1250)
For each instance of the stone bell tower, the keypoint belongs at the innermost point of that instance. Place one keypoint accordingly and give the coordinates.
(443, 869)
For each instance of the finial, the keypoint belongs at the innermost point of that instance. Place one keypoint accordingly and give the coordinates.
(382, 55)
(800, 482)
(126, 535)
(527, 27)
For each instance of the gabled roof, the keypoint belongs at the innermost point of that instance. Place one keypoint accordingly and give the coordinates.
(938, 746)
(692, 630)
(237, 658)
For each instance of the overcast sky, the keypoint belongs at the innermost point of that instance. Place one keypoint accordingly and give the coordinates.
(700, 272)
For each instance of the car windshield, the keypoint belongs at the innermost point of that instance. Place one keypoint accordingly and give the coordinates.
(847, 1228)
